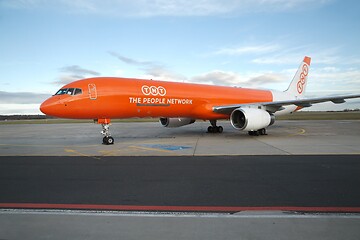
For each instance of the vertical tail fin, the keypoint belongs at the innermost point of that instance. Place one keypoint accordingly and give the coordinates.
(298, 84)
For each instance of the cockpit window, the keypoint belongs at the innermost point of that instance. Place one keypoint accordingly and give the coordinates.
(77, 91)
(61, 91)
(69, 91)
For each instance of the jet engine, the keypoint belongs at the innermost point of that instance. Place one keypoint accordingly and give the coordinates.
(176, 122)
(251, 119)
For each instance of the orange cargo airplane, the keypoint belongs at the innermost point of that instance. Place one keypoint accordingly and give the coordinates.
(179, 104)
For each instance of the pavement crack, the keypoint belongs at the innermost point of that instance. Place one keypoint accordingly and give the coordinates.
(259, 140)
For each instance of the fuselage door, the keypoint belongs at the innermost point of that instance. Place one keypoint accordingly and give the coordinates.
(92, 91)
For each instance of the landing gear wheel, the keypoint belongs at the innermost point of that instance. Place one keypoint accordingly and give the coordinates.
(213, 128)
(217, 129)
(108, 140)
(262, 131)
(210, 129)
(258, 132)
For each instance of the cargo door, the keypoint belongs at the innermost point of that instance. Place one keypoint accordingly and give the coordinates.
(92, 91)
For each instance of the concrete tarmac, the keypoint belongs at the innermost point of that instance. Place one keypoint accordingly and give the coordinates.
(151, 139)
(112, 225)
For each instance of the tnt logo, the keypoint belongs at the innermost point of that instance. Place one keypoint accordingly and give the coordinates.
(153, 91)
(302, 81)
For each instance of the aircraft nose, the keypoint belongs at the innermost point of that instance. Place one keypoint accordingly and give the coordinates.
(47, 107)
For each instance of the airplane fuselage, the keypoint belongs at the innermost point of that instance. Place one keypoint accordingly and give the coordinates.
(106, 98)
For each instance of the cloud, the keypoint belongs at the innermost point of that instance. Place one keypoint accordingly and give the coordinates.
(252, 49)
(152, 70)
(219, 77)
(74, 72)
(78, 70)
(157, 71)
(224, 78)
(293, 55)
(335, 80)
(151, 8)
(16, 109)
(283, 54)
(295, 58)
(162, 73)
(267, 78)
(131, 61)
(22, 97)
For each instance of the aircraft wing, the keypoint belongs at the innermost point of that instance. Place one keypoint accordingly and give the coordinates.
(278, 105)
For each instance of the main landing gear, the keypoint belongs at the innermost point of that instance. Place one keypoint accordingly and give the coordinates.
(258, 132)
(213, 128)
(105, 123)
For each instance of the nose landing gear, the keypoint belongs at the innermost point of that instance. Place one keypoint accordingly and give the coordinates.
(107, 140)
(105, 124)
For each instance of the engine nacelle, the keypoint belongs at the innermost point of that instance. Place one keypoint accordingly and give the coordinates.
(251, 119)
(176, 122)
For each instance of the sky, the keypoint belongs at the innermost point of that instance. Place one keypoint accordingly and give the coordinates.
(248, 43)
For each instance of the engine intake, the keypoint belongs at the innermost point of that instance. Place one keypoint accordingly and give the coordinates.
(176, 122)
(251, 119)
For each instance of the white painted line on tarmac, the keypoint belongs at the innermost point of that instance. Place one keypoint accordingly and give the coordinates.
(241, 215)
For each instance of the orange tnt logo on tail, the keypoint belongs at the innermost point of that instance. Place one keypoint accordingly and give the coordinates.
(302, 80)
